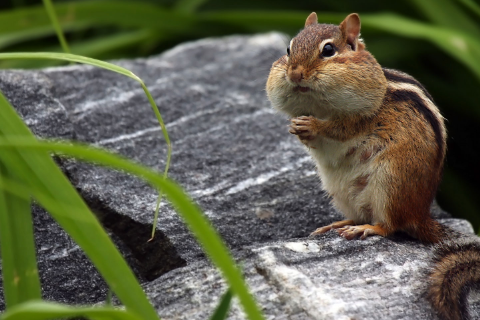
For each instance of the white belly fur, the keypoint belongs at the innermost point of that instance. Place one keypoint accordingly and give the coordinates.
(338, 173)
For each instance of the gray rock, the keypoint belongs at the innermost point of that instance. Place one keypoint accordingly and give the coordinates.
(234, 156)
(323, 278)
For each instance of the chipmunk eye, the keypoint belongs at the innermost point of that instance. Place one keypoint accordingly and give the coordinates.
(328, 50)
(288, 51)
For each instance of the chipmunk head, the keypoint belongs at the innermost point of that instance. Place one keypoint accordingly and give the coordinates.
(327, 72)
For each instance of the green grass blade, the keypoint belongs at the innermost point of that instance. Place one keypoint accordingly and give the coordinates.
(19, 266)
(221, 312)
(20, 26)
(461, 46)
(195, 220)
(71, 58)
(53, 18)
(91, 13)
(104, 65)
(109, 47)
(43, 310)
(55, 193)
(155, 216)
(448, 14)
(102, 47)
(114, 68)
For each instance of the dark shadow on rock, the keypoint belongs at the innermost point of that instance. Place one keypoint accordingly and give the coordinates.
(155, 257)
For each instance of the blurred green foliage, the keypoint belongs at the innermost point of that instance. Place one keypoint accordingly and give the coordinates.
(437, 41)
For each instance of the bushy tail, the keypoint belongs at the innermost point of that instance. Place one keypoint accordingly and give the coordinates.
(455, 272)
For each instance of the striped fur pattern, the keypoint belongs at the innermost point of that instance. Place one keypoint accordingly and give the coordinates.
(456, 271)
(376, 135)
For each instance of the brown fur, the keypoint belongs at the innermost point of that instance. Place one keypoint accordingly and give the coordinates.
(456, 272)
(386, 122)
(396, 129)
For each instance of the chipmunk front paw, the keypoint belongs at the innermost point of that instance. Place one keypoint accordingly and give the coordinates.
(305, 127)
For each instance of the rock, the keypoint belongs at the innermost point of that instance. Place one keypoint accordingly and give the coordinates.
(233, 155)
(323, 278)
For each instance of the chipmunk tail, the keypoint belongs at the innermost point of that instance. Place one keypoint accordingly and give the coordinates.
(455, 272)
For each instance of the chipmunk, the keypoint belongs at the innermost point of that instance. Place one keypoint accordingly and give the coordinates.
(379, 143)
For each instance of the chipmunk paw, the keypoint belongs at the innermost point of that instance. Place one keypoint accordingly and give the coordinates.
(305, 127)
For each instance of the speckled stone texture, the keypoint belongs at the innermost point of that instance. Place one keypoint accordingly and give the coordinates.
(232, 153)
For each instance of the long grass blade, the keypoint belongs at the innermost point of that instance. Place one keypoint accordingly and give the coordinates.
(43, 310)
(111, 67)
(100, 64)
(53, 18)
(89, 13)
(71, 58)
(54, 192)
(22, 25)
(195, 220)
(461, 46)
(221, 312)
(19, 266)
(108, 47)
(448, 14)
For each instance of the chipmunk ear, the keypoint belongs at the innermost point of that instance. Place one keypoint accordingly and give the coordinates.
(312, 19)
(350, 28)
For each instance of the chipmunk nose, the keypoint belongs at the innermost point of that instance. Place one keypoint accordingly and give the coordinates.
(296, 73)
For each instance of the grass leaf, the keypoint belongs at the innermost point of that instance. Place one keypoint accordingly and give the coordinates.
(461, 46)
(47, 184)
(448, 14)
(221, 312)
(111, 67)
(43, 310)
(195, 220)
(77, 15)
(53, 18)
(19, 265)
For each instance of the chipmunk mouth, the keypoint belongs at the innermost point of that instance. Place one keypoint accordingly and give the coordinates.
(301, 89)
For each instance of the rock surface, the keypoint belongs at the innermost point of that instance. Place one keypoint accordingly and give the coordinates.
(234, 156)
